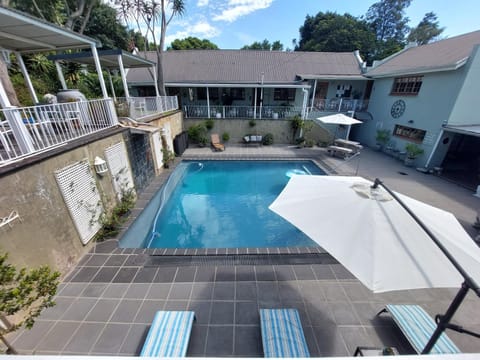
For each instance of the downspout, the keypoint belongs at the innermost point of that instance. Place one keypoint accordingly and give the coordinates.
(304, 106)
(255, 105)
(314, 93)
(208, 103)
(24, 71)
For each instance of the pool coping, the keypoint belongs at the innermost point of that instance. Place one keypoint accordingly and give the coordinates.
(110, 246)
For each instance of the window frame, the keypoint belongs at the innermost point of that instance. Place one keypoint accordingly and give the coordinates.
(407, 85)
(409, 133)
(284, 94)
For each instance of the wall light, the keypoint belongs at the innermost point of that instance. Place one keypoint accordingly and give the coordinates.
(410, 121)
(100, 165)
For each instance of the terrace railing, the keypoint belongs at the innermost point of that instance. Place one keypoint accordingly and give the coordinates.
(140, 107)
(341, 105)
(29, 130)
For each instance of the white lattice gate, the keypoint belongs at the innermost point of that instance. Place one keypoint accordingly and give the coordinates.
(79, 190)
(117, 160)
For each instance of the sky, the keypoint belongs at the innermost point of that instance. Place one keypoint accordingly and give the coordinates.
(231, 24)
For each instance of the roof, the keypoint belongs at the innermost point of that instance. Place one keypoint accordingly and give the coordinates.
(247, 66)
(443, 55)
(473, 130)
(27, 34)
(108, 59)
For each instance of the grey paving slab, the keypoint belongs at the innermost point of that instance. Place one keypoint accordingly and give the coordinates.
(29, 339)
(115, 291)
(105, 274)
(330, 341)
(125, 275)
(225, 273)
(116, 260)
(246, 291)
(93, 290)
(133, 343)
(145, 275)
(58, 336)
(137, 291)
(246, 313)
(205, 274)
(219, 341)
(165, 275)
(344, 314)
(147, 311)
(289, 291)
(202, 311)
(72, 289)
(159, 291)
(84, 338)
(180, 291)
(126, 311)
(285, 273)
(111, 339)
(222, 313)
(304, 272)
(202, 291)
(244, 273)
(85, 274)
(185, 274)
(103, 310)
(224, 291)
(55, 312)
(247, 342)
(97, 260)
(198, 340)
(79, 309)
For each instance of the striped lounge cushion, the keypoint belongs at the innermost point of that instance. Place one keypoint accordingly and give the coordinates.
(418, 327)
(282, 333)
(169, 334)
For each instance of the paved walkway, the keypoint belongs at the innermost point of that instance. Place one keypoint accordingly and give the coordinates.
(105, 306)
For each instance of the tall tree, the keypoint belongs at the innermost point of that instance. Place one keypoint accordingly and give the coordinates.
(152, 15)
(427, 30)
(192, 43)
(389, 23)
(333, 32)
(264, 45)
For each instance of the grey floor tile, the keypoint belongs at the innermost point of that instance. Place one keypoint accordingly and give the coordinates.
(185, 274)
(135, 339)
(205, 274)
(58, 336)
(165, 275)
(357, 292)
(323, 272)
(180, 291)
(284, 272)
(93, 290)
(176, 305)
(135, 260)
(202, 291)
(245, 273)
(341, 272)
(145, 275)
(312, 291)
(116, 260)
(224, 291)
(111, 339)
(334, 292)
(147, 311)
(198, 340)
(105, 275)
(354, 336)
(56, 311)
(29, 339)
(319, 314)
(225, 273)
(72, 289)
(202, 311)
(97, 260)
(115, 291)
(248, 341)
(137, 291)
(126, 311)
(85, 274)
(219, 341)
(289, 291)
(222, 313)
(125, 275)
(344, 314)
(265, 273)
(246, 313)
(83, 340)
(267, 292)
(159, 291)
(304, 272)
(330, 341)
(102, 310)
(246, 291)
(79, 309)
(311, 341)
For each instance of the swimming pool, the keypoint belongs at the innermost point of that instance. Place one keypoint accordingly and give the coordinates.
(220, 204)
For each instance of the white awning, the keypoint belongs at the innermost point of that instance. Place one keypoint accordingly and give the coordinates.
(472, 130)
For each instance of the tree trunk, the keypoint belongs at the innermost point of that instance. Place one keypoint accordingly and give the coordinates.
(160, 80)
(7, 84)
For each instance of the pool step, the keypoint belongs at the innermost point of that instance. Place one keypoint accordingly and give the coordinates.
(240, 259)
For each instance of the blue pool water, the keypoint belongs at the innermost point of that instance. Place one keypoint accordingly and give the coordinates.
(220, 204)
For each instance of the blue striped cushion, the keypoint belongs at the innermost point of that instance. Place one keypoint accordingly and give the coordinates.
(282, 333)
(169, 334)
(418, 327)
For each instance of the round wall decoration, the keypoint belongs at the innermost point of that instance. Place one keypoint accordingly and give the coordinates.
(398, 108)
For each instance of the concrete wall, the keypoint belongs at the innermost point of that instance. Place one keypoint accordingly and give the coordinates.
(281, 130)
(46, 233)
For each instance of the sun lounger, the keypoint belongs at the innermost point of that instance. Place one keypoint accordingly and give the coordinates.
(342, 151)
(418, 327)
(217, 145)
(282, 333)
(169, 334)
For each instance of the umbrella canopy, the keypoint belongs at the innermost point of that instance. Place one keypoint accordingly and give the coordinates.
(339, 119)
(370, 233)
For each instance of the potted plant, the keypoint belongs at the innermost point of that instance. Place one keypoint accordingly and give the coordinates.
(382, 137)
(168, 157)
(252, 123)
(413, 151)
(225, 136)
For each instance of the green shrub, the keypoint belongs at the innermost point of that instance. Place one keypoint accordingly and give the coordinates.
(225, 136)
(252, 123)
(309, 143)
(413, 150)
(197, 132)
(382, 136)
(209, 123)
(268, 139)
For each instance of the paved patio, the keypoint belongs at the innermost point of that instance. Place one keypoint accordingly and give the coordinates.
(105, 305)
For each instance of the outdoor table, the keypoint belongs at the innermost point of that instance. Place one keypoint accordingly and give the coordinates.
(374, 351)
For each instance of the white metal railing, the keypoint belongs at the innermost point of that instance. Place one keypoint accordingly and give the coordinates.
(28, 130)
(341, 105)
(234, 112)
(139, 107)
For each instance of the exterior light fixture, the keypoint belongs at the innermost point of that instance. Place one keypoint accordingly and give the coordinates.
(100, 165)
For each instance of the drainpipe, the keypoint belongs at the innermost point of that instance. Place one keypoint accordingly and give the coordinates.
(255, 105)
(304, 106)
(24, 71)
(314, 93)
(261, 97)
(208, 103)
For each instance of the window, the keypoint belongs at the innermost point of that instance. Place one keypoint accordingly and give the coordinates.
(237, 93)
(407, 85)
(202, 93)
(282, 94)
(415, 135)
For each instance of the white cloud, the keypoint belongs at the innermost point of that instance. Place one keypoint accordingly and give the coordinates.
(238, 8)
(202, 3)
(201, 29)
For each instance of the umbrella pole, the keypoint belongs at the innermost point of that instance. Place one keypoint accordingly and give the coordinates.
(468, 283)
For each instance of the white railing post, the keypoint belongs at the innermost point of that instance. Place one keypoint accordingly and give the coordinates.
(340, 105)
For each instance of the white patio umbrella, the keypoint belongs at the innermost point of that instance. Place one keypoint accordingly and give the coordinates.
(370, 233)
(339, 119)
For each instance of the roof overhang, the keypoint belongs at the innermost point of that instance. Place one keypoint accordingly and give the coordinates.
(472, 130)
(23, 33)
(108, 59)
(233, 85)
(330, 77)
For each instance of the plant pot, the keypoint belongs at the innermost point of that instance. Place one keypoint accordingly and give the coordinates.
(377, 147)
(409, 161)
(218, 115)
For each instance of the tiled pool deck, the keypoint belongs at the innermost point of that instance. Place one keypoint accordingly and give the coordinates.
(105, 305)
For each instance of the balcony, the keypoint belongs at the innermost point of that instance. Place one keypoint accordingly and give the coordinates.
(274, 112)
(139, 108)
